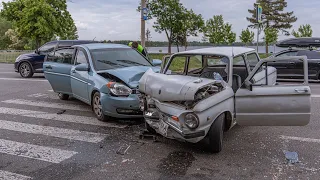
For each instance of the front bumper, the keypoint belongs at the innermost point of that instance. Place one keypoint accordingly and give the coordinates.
(16, 64)
(174, 132)
(121, 107)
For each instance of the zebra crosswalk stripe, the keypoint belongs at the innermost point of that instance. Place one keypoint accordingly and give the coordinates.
(31, 151)
(52, 131)
(57, 117)
(5, 175)
(48, 105)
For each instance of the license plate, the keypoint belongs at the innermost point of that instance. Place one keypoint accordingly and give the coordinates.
(163, 128)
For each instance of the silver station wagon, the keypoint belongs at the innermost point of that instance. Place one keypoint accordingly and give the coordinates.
(202, 93)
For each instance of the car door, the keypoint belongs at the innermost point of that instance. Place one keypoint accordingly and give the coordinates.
(43, 51)
(286, 69)
(313, 63)
(57, 67)
(80, 76)
(270, 104)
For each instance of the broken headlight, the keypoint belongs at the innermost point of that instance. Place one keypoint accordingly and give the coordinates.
(191, 121)
(119, 89)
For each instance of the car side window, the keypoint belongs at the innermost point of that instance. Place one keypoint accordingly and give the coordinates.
(81, 57)
(63, 56)
(309, 54)
(252, 60)
(49, 47)
(177, 65)
(286, 54)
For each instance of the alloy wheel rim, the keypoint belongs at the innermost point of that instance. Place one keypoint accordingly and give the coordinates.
(97, 106)
(25, 70)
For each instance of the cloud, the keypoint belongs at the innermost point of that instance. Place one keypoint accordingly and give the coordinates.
(119, 20)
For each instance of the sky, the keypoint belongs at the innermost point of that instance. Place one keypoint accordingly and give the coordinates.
(119, 20)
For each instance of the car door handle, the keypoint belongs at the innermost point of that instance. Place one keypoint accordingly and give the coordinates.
(292, 63)
(301, 90)
(49, 67)
(73, 71)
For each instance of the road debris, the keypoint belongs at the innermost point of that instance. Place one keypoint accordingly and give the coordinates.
(123, 149)
(127, 160)
(146, 134)
(292, 157)
(61, 112)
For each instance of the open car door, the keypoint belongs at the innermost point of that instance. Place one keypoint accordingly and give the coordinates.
(263, 102)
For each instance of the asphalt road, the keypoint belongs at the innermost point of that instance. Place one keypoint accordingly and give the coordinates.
(38, 143)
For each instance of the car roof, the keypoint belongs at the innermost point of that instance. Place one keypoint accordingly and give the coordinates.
(94, 46)
(73, 41)
(225, 51)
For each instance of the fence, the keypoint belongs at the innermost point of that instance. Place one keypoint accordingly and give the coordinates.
(9, 56)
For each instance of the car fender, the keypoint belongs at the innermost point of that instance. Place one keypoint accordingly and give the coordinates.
(24, 60)
(98, 83)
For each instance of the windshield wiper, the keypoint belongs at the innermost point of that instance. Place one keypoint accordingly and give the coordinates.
(111, 63)
(131, 62)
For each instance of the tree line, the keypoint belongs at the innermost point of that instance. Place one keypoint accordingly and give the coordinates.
(27, 24)
(178, 23)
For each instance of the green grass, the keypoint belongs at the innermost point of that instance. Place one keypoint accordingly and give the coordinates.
(10, 57)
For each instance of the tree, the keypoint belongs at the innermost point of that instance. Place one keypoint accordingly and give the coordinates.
(303, 31)
(246, 36)
(273, 16)
(40, 20)
(167, 13)
(190, 25)
(4, 27)
(270, 35)
(148, 36)
(219, 32)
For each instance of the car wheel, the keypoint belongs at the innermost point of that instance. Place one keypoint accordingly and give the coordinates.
(25, 70)
(63, 96)
(97, 107)
(214, 137)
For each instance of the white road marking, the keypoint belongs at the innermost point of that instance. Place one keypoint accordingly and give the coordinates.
(57, 117)
(315, 96)
(31, 151)
(300, 139)
(53, 131)
(20, 79)
(50, 90)
(7, 72)
(37, 95)
(48, 104)
(12, 176)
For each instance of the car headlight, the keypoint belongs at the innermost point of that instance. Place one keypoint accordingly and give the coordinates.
(191, 121)
(119, 89)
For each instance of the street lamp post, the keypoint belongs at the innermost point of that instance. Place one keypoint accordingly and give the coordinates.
(259, 20)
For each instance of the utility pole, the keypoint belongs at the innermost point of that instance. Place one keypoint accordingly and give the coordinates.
(143, 22)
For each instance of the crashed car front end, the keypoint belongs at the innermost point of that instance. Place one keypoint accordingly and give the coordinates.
(182, 107)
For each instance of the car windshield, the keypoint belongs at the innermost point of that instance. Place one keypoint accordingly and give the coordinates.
(105, 59)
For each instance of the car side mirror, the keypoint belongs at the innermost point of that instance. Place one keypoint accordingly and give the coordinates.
(156, 62)
(82, 67)
(36, 51)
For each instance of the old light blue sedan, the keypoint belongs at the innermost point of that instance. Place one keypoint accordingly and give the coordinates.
(104, 76)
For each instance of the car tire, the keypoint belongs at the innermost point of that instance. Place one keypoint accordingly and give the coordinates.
(97, 107)
(214, 137)
(25, 70)
(63, 96)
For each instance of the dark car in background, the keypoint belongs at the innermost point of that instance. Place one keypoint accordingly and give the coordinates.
(28, 64)
(293, 69)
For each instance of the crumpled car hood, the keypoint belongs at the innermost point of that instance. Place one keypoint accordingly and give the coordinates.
(172, 87)
(130, 75)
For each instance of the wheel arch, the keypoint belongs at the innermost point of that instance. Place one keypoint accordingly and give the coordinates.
(22, 61)
(92, 94)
